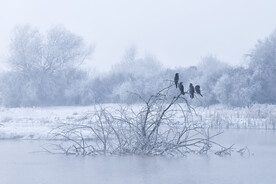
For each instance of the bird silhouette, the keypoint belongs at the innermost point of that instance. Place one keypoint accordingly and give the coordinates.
(176, 79)
(197, 89)
(181, 88)
(192, 90)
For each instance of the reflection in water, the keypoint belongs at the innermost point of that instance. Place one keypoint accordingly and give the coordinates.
(20, 164)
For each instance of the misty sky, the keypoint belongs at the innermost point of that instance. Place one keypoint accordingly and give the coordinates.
(176, 32)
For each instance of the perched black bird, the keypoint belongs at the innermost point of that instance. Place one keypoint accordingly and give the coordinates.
(197, 89)
(192, 90)
(181, 88)
(176, 79)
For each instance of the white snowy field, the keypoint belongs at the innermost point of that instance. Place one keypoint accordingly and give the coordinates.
(37, 122)
(254, 117)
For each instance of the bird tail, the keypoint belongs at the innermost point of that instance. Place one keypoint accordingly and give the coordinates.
(192, 95)
(176, 85)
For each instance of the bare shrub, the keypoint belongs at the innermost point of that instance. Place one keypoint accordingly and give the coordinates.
(162, 125)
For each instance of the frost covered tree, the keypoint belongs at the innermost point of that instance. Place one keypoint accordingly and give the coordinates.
(263, 68)
(132, 75)
(208, 72)
(43, 67)
(236, 88)
(140, 75)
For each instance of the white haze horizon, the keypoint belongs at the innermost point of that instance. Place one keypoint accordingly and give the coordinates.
(177, 33)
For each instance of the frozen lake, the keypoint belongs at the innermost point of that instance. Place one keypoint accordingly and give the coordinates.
(20, 163)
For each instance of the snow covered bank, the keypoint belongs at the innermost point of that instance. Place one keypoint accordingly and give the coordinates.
(257, 116)
(36, 123)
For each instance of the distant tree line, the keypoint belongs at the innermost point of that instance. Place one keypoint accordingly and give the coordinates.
(45, 71)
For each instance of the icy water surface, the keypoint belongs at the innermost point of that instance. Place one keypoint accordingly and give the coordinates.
(20, 165)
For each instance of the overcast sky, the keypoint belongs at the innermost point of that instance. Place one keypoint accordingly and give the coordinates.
(176, 32)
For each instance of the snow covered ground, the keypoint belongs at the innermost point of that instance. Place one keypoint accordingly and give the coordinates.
(36, 123)
(256, 116)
